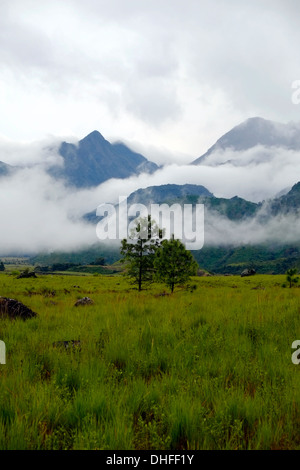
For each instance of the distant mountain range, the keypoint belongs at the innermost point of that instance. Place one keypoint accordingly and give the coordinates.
(225, 258)
(165, 193)
(230, 257)
(234, 209)
(94, 160)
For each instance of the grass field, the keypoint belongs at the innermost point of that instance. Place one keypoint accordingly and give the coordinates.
(208, 367)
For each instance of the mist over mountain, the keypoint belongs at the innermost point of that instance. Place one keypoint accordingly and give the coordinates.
(237, 233)
(234, 209)
(254, 132)
(5, 169)
(94, 160)
(288, 203)
(165, 193)
(247, 182)
(169, 193)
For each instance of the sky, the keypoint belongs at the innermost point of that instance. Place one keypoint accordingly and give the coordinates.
(169, 76)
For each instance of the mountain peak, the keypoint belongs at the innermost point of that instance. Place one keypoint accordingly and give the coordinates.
(96, 160)
(295, 188)
(255, 131)
(256, 119)
(93, 136)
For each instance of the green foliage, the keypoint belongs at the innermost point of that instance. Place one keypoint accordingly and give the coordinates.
(174, 265)
(233, 260)
(2, 267)
(84, 256)
(138, 252)
(99, 262)
(208, 370)
(291, 277)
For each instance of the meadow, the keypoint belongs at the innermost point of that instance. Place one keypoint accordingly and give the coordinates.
(208, 367)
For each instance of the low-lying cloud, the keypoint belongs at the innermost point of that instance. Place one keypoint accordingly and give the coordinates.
(281, 229)
(39, 213)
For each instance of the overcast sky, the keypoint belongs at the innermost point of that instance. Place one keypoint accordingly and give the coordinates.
(173, 75)
(167, 77)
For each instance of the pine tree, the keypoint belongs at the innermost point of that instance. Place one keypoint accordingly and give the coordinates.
(290, 276)
(139, 251)
(174, 264)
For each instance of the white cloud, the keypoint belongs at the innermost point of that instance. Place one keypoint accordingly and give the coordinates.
(170, 77)
(177, 74)
(42, 214)
(282, 229)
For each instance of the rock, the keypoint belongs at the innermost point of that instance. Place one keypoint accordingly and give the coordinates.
(26, 274)
(74, 343)
(202, 273)
(11, 308)
(84, 301)
(248, 272)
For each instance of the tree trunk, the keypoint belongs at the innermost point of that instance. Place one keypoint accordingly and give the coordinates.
(140, 268)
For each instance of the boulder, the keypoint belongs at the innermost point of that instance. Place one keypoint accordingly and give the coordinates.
(248, 272)
(12, 308)
(84, 301)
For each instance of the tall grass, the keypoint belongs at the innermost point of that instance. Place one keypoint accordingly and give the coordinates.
(204, 368)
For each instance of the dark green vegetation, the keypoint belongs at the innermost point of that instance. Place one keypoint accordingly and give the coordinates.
(264, 258)
(148, 259)
(291, 277)
(208, 367)
(138, 263)
(173, 264)
(84, 256)
(138, 252)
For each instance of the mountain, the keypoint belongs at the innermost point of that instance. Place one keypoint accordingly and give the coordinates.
(221, 213)
(264, 259)
(287, 203)
(237, 233)
(5, 169)
(169, 193)
(235, 208)
(254, 132)
(95, 160)
(165, 193)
